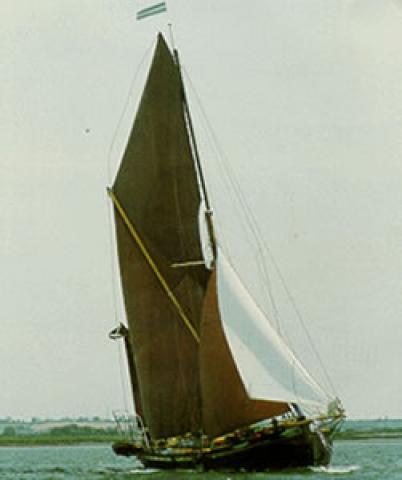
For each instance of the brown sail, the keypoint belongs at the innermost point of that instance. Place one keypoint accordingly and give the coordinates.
(156, 186)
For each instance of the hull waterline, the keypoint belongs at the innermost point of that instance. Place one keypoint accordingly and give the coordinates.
(290, 449)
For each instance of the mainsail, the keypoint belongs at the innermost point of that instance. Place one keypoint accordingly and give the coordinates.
(157, 187)
(185, 379)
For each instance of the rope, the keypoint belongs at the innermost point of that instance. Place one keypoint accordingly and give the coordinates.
(262, 247)
(305, 329)
(247, 218)
(123, 113)
(109, 161)
(113, 258)
(152, 264)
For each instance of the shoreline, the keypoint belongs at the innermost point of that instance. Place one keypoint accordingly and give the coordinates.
(45, 441)
(65, 442)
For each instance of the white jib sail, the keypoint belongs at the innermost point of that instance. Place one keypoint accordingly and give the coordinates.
(267, 366)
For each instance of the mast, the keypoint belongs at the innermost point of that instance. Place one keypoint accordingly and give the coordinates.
(197, 161)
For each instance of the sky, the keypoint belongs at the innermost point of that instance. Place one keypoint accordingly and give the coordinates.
(300, 101)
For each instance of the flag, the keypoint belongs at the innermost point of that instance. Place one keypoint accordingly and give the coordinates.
(152, 10)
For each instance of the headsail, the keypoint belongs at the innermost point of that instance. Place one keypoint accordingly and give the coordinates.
(268, 367)
(157, 187)
(247, 371)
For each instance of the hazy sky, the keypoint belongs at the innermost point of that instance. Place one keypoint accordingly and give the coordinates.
(305, 100)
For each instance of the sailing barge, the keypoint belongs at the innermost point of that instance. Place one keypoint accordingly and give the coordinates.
(214, 385)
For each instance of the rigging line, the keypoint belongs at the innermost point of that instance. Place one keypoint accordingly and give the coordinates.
(250, 220)
(299, 315)
(108, 172)
(295, 360)
(113, 261)
(261, 246)
(292, 372)
(294, 305)
(261, 265)
(196, 158)
(115, 295)
(116, 310)
(123, 113)
(230, 177)
(153, 265)
(220, 239)
(205, 205)
(122, 363)
(112, 238)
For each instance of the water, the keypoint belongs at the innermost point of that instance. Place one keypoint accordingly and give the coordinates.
(368, 460)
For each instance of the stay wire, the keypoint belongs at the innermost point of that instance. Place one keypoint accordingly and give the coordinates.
(111, 226)
(229, 177)
(261, 245)
(124, 111)
(110, 208)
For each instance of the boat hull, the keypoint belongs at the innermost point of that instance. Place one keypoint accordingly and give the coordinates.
(301, 448)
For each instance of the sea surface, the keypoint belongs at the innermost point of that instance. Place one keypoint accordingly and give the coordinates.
(357, 459)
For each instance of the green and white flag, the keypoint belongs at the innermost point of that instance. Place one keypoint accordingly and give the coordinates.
(151, 10)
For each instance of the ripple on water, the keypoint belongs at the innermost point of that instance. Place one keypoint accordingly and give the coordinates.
(338, 470)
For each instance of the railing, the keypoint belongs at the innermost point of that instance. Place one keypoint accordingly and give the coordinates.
(131, 427)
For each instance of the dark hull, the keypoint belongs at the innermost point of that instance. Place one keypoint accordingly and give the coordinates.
(295, 449)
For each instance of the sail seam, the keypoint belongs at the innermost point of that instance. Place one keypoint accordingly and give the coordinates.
(153, 265)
